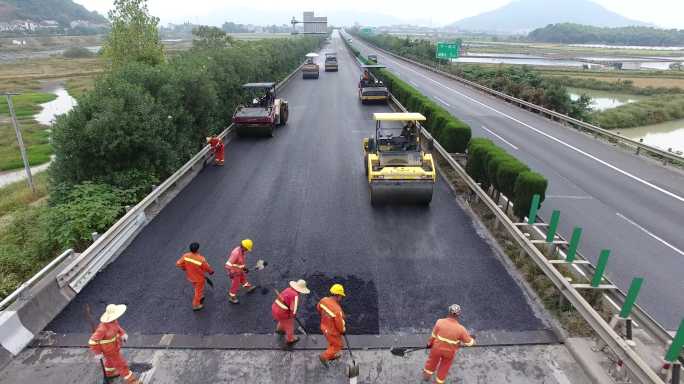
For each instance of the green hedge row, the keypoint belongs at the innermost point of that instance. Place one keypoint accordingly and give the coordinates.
(490, 165)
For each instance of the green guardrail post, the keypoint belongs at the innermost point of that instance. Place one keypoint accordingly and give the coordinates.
(553, 226)
(632, 294)
(574, 243)
(677, 344)
(534, 207)
(600, 268)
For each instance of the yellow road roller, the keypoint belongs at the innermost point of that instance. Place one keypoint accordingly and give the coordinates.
(397, 168)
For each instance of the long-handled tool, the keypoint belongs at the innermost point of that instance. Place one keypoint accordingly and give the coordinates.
(353, 369)
(402, 352)
(211, 283)
(299, 323)
(89, 318)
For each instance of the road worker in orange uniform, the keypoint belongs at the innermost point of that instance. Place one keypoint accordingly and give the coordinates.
(195, 266)
(217, 148)
(237, 270)
(333, 325)
(284, 309)
(447, 337)
(106, 343)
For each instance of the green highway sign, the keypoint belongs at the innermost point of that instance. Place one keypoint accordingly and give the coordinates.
(367, 30)
(448, 50)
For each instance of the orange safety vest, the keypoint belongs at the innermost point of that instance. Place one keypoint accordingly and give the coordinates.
(448, 335)
(194, 265)
(332, 317)
(107, 338)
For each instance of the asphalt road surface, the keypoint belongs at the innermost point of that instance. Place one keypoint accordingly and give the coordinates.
(303, 198)
(624, 203)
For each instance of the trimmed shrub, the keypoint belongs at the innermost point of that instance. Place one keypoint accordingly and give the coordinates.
(454, 137)
(477, 151)
(507, 174)
(527, 185)
(493, 166)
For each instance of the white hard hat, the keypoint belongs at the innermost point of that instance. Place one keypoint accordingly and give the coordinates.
(455, 309)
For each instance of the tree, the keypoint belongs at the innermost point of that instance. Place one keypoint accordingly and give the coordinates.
(212, 38)
(134, 36)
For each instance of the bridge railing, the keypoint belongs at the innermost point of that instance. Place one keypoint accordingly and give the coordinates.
(637, 146)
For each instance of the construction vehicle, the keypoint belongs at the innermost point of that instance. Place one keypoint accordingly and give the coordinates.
(310, 69)
(331, 62)
(398, 170)
(373, 59)
(372, 90)
(263, 113)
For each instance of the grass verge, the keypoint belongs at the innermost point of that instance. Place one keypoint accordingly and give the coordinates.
(35, 136)
(17, 195)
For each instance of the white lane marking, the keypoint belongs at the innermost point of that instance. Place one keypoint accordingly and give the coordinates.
(442, 101)
(646, 231)
(611, 166)
(572, 197)
(413, 83)
(500, 138)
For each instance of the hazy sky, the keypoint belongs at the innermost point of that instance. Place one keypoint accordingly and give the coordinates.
(664, 13)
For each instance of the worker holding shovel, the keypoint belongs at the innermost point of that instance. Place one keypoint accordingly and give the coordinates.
(106, 342)
(447, 337)
(284, 309)
(237, 270)
(333, 325)
(195, 266)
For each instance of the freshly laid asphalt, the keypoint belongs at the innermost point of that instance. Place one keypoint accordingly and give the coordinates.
(597, 187)
(303, 198)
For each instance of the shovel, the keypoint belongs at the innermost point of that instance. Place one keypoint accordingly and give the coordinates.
(402, 352)
(299, 323)
(352, 369)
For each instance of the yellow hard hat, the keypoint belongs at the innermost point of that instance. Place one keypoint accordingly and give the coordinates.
(337, 289)
(247, 244)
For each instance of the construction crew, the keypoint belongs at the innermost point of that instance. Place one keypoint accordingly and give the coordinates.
(237, 270)
(217, 148)
(106, 343)
(447, 337)
(333, 324)
(284, 309)
(195, 266)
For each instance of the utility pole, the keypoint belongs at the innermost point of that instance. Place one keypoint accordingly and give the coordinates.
(20, 140)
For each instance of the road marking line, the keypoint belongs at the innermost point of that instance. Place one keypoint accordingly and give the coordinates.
(500, 138)
(441, 101)
(413, 83)
(611, 166)
(650, 234)
(575, 197)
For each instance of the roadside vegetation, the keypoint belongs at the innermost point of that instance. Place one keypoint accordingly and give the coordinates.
(570, 33)
(144, 118)
(655, 110)
(619, 86)
(518, 81)
(18, 195)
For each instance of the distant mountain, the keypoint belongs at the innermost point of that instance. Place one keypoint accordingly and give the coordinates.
(523, 16)
(64, 12)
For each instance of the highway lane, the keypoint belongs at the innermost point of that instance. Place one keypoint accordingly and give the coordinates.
(303, 198)
(627, 204)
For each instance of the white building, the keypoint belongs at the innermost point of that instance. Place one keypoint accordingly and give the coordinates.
(313, 24)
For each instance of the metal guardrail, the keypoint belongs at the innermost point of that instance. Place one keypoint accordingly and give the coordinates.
(30, 282)
(636, 365)
(82, 269)
(567, 119)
